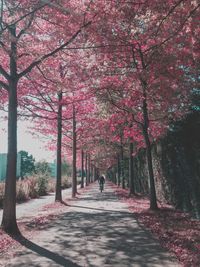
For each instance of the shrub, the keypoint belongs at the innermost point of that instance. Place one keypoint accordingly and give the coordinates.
(66, 182)
(33, 188)
(51, 185)
(42, 168)
(22, 190)
(42, 185)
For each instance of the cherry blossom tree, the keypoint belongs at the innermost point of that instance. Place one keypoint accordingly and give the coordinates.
(144, 72)
(24, 26)
(141, 58)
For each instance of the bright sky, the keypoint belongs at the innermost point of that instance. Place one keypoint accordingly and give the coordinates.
(33, 145)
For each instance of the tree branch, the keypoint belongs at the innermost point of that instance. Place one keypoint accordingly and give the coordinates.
(23, 17)
(1, 16)
(4, 85)
(123, 109)
(168, 14)
(37, 62)
(45, 77)
(175, 33)
(4, 73)
(34, 114)
(23, 31)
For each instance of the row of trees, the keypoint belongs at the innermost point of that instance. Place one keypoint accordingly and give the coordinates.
(95, 76)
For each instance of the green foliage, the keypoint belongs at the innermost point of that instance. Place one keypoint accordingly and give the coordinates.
(42, 168)
(79, 172)
(196, 99)
(42, 185)
(27, 163)
(66, 168)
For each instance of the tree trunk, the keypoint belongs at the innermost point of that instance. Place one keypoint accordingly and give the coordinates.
(9, 222)
(131, 171)
(153, 198)
(86, 168)
(74, 178)
(118, 171)
(58, 196)
(89, 169)
(96, 174)
(82, 168)
(93, 173)
(122, 165)
(114, 176)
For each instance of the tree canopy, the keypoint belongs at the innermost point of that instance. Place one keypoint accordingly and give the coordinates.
(27, 163)
(96, 76)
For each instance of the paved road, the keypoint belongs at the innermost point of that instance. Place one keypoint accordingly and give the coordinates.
(97, 230)
(34, 205)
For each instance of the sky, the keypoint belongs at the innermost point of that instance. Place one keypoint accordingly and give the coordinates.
(33, 145)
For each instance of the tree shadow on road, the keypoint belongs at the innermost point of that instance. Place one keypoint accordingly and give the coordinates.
(93, 234)
(42, 252)
(98, 209)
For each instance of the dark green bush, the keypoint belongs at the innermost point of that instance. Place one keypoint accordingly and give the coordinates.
(42, 185)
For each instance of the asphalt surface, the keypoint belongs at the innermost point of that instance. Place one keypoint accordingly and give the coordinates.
(96, 230)
(28, 208)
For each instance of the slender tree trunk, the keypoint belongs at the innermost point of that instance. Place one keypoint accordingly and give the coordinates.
(58, 196)
(153, 198)
(114, 171)
(82, 168)
(96, 174)
(74, 178)
(9, 222)
(131, 171)
(86, 168)
(91, 173)
(115, 177)
(118, 171)
(89, 169)
(122, 165)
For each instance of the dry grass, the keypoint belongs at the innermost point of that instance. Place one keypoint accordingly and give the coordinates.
(29, 188)
(33, 187)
